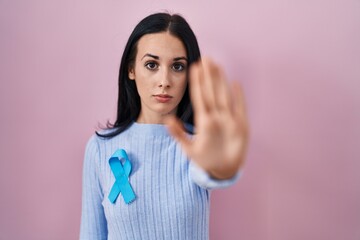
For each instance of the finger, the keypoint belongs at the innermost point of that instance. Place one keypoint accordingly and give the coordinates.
(223, 93)
(196, 95)
(177, 131)
(209, 83)
(239, 108)
(217, 89)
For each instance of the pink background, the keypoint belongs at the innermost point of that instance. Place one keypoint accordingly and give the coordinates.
(299, 63)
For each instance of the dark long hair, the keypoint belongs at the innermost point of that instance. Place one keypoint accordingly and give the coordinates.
(129, 106)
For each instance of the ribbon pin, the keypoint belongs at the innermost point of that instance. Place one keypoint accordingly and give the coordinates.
(121, 172)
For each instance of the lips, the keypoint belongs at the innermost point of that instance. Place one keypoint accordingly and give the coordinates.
(163, 98)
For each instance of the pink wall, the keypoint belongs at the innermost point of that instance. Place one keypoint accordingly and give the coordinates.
(299, 64)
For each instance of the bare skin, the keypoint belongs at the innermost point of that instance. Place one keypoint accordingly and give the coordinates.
(220, 143)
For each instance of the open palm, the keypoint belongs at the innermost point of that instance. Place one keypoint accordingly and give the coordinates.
(221, 136)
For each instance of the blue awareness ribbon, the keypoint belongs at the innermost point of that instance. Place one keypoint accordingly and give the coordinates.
(121, 172)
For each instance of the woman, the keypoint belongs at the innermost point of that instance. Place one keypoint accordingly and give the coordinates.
(147, 176)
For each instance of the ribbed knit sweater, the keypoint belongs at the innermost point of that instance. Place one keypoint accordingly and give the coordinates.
(172, 193)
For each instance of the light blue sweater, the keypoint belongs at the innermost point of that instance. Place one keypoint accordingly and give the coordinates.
(172, 193)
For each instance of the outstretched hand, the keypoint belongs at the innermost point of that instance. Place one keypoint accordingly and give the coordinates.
(220, 142)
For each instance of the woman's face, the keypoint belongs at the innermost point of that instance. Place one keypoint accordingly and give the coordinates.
(160, 72)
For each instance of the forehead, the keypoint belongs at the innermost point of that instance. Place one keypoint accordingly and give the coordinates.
(161, 44)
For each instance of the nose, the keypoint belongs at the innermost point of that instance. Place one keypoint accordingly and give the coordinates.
(164, 81)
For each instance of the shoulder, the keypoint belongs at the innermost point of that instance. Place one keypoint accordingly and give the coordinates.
(98, 140)
(95, 140)
(92, 144)
(97, 145)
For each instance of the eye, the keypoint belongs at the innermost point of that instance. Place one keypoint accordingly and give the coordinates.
(151, 65)
(178, 67)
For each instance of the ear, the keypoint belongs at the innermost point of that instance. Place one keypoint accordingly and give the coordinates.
(131, 73)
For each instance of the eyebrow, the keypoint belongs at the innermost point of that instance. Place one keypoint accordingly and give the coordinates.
(157, 57)
(180, 58)
(151, 55)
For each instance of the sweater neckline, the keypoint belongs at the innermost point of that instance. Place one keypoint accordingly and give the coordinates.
(149, 129)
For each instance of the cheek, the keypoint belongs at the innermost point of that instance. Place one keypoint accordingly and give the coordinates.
(143, 82)
(183, 81)
(143, 88)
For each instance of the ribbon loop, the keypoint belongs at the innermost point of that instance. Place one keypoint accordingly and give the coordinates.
(121, 171)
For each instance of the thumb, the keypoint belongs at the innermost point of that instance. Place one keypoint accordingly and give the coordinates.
(176, 129)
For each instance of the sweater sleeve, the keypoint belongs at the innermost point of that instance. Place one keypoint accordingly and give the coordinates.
(93, 221)
(204, 180)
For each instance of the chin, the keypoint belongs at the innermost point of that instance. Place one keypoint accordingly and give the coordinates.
(165, 111)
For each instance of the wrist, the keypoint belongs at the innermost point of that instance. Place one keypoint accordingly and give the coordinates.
(222, 175)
